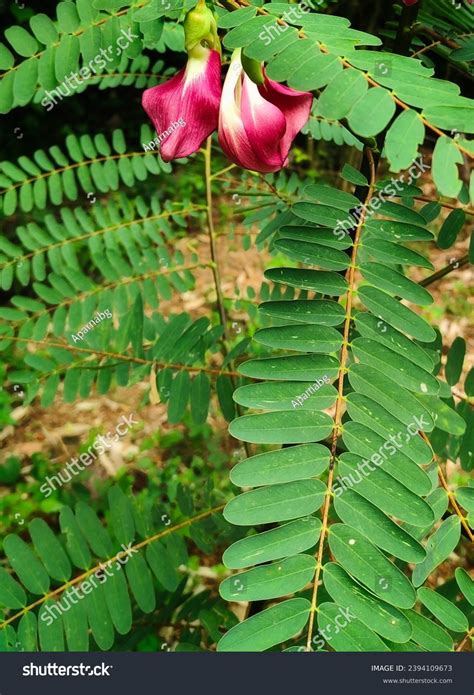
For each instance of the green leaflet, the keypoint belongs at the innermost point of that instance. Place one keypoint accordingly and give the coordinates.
(438, 502)
(141, 583)
(355, 636)
(313, 311)
(369, 413)
(99, 618)
(400, 212)
(465, 583)
(403, 140)
(397, 315)
(288, 539)
(161, 565)
(446, 612)
(281, 466)
(341, 94)
(429, 635)
(384, 491)
(446, 157)
(28, 633)
(408, 375)
(97, 536)
(358, 512)
(312, 280)
(408, 647)
(360, 558)
(316, 235)
(28, 568)
(328, 195)
(281, 395)
(440, 545)
(76, 543)
(446, 418)
(387, 621)
(301, 338)
(282, 502)
(76, 628)
(50, 550)
(454, 361)
(270, 581)
(282, 427)
(118, 600)
(272, 626)
(326, 215)
(311, 253)
(371, 327)
(364, 442)
(396, 283)
(379, 104)
(392, 397)
(121, 512)
(400, 231)
(394, 254)
(50, 632)
(12, 594)
(465, 497)
(293, 367)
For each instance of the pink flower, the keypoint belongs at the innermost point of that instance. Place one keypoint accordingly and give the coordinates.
(191, 97)
(258, 123)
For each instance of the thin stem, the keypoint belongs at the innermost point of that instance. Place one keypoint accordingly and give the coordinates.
(405, 28)
(212, 237)
(74, 165)
(465, 639)
(426, 199)
(98, 232)
(215, 263)
(107, 286)
(117, 356)
(454, 265)
(339, 402)
(223, 171)
(117, 557)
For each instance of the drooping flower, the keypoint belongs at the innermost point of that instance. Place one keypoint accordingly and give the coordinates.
(184, 110)
(258, 122)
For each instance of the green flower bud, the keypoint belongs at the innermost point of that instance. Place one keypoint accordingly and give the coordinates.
(200, 26)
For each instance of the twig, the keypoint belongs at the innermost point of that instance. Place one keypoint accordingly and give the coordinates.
(454, 265)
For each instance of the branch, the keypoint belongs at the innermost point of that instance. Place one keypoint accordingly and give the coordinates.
(454, 265)
(117, 356)
(118, 556)
(405, 28)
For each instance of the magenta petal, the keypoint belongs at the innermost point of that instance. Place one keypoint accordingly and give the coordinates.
(295, 106)
(264, 125)
(250, 128)
(191, 97)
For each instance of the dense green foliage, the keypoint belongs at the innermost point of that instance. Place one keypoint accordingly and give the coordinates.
(345, 503)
